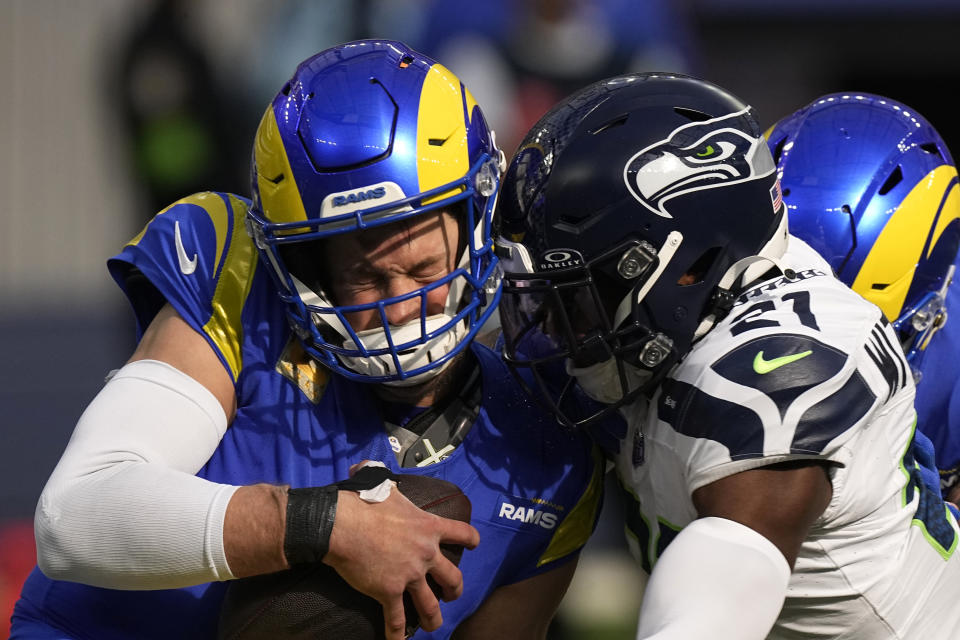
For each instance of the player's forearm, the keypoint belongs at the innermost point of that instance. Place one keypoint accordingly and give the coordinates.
(253, 530)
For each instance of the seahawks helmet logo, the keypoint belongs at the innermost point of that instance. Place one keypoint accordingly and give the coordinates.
(701, 155)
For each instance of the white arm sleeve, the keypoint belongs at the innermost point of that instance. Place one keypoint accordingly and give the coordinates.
(717, 579)
(123, 508)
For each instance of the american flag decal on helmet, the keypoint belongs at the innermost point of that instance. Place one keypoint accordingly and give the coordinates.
(776, 196)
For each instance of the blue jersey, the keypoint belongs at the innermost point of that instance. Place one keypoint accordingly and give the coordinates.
(938, 393)
(535, 489)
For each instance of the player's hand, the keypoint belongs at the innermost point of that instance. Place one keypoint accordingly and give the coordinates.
(384, 549)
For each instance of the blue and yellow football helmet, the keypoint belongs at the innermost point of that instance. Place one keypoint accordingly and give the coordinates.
(869, 183)
(365, 134)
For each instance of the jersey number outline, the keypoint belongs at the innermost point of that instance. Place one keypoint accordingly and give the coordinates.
(752, 318)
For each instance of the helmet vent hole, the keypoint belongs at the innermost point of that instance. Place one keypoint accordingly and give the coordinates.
(778, 152)
(892, 180)
(786, 192)
(878, 286)
(286, 89)
(276, 179)
(698, 270)
(692, 114)
(616, 122)
(931, 148)
(406, 61)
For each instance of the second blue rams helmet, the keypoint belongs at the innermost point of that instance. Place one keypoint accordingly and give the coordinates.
(870, 184)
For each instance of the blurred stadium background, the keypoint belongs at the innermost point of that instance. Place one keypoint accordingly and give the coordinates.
(115, 108)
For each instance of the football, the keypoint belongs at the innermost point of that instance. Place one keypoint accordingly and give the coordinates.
(314, 602)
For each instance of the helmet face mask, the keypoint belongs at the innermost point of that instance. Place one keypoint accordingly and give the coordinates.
(661, 188)
(568, 320)
(872, 187)
(367, 135)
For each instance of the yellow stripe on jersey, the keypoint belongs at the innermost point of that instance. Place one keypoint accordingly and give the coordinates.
(216, 208)
(233, 287)
(576, 528)
(275, 179)
(210, 202)
(191, 199)
(899, 247)
(442, 152)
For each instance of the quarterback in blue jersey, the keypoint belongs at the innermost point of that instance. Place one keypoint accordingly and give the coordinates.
(210, 455)
(870, 184)
(770, 455)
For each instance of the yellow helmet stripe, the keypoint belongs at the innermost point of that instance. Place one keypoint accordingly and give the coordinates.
(275, 180)
(898, 249)
(442, 153)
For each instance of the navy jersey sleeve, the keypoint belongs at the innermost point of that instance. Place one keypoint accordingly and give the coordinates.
(196, 255)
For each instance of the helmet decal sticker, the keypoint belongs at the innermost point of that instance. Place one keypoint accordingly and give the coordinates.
(700, 155)
(559, 258)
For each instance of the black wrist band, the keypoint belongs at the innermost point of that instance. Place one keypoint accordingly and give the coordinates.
(310, 515)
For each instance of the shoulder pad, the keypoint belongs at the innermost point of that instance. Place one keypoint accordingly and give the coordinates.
(777, 394)
(196, 254)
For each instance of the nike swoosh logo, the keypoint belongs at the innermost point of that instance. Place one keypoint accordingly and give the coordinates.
(762, 366)
(187, 265)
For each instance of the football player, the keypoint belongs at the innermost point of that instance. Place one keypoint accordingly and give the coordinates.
(769, 468)
(329, 320)
(870, 184)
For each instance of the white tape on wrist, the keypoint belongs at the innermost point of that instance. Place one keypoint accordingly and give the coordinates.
(380, 492)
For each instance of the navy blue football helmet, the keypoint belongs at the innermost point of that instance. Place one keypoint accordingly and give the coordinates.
(629, 216)
(870, 184)
(366, 134)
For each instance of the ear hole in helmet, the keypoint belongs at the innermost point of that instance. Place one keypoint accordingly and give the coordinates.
(696, 272)
(892, 180)
(405, 61)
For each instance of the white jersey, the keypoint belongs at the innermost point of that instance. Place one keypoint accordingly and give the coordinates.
(804, 368)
